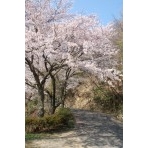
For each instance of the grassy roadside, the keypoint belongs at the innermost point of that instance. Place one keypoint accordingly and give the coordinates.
(42, 128)
(33, 136)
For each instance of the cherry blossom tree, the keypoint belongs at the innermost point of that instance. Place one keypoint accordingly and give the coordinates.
(40, 55)
(58, 42)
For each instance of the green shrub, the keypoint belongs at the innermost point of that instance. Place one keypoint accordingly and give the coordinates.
(61, 119)
(31, 107)
(109, 100)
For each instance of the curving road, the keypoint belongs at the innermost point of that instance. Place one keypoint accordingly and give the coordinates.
(93, 130)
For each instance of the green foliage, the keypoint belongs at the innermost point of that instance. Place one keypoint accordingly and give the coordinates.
(109, 98)
(61, 119)
(33, 136)
(31, 106)
(65, 117)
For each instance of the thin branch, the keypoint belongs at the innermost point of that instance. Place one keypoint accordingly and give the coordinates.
(31, 85)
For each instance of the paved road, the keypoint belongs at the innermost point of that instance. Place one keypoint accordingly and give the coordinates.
(93, 130)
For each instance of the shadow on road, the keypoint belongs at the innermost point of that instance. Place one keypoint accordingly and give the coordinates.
(98, 130)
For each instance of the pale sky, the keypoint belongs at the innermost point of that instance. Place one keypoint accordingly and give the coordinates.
(106, 10)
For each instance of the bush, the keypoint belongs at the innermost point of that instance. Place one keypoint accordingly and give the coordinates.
(108, 99)
(31, 107)
(61, 119)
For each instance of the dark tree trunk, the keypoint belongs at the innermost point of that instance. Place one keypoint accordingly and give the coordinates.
(53, 105)
(53, 109)
(62, 103)
(63, 94)
(41, 104)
